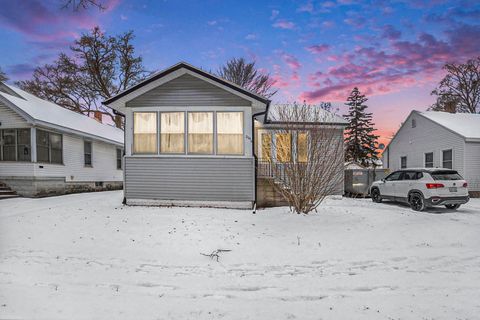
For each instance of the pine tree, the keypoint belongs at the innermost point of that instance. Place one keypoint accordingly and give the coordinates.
(360, 141)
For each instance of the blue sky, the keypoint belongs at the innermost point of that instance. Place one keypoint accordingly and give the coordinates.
(315, 50)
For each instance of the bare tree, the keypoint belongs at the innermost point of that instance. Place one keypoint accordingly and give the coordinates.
(246, 75)
(76, 5)
(459, 90)
(306, 174)
(98, 68)
(3, 76)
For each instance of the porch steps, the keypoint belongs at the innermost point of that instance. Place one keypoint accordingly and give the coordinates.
(6, 192)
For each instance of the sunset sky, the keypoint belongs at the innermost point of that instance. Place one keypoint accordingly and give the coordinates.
(315, 50)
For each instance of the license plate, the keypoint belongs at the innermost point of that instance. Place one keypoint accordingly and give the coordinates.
(453, 189)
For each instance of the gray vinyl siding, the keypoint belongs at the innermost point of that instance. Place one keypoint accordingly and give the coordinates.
(472, 165)
(189, 178)
(187, 90)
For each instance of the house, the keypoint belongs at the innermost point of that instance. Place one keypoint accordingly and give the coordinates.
(438, 139)
(190, 139)
(48, 150)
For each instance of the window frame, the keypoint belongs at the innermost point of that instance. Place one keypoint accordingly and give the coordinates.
(85, 164)
(214, 138)
(400, 176)
(16, 144)
(451, 159)
(401, 162)
(157, 133)
(216, 134)
(425, 159)
(117, 149)
(49, 132)
(185, 134)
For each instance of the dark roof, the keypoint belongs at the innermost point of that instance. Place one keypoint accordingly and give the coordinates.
(187, 66)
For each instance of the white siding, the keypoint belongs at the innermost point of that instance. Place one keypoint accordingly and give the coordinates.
(16, 169)
(426, 137)
(104, 167)
(11, 119)
(472, 165)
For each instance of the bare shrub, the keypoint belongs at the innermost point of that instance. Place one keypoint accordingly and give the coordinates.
(308, 164)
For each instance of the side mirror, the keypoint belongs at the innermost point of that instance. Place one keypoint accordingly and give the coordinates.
(383, 180)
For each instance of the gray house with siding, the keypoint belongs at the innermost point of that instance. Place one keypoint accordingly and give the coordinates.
(438, 139)
(190, 139)
(48, 150)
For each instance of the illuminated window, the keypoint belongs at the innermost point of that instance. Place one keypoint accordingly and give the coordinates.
(266, 146)
(172, 132)
(302, 147)
(144, 132)
(200, 132)
(283, 143)
(229, 132)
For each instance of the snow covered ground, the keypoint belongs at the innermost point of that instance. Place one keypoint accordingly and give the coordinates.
(85, 256)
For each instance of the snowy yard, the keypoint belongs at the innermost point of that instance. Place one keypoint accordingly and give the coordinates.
(85, 256)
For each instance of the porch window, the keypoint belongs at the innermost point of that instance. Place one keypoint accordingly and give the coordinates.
(49, 147)
(283, 143)
(200, 132)
(145, 132)
(15, 145)
(9, 145)
(24, 148)
(229, 133)
(266, 146)
(447, 159)
(172, 132)
(302, 147)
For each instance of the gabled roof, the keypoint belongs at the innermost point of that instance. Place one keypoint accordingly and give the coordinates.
(47, 114)
(465, 124)
(193, 69)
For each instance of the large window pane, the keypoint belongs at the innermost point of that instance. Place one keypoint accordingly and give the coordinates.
(9, 145)
(145, 132)
(42, 146)
(284, 147)
(200, 132)
(266, 146)
(23, 145)
(302, 147)
(172, 132)
(56, 151)
(230, 132)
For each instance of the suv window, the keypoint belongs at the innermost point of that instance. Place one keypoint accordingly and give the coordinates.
(411, 175)
(446, 175)
(394, 176)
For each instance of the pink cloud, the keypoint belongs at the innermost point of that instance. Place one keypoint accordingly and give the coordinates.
(284, 24)
(319, 48)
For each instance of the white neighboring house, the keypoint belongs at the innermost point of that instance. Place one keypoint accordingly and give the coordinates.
(48, 150)
(438, 139)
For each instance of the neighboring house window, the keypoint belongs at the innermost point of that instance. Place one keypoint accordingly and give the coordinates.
(144, 132)
(302, 147)
(414, 123)
(119, 158)
(172, 132)
(15, 145)
(403, 162)
(266, 146)
(49, 147)
(429, 160)
(200, 132)
(229, 132)
(447, 159)
(283, 142)
(87, 153)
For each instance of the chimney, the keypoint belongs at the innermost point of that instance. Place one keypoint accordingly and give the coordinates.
(97, 115)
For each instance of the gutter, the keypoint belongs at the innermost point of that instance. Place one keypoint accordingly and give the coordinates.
(255, 156)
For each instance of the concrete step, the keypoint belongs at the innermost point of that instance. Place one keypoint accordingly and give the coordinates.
(8, 196)
(8, 191)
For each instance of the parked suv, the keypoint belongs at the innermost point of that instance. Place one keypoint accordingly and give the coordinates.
(422, 188)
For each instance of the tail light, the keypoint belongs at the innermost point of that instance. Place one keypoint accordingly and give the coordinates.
(434, 185)
(465, 185)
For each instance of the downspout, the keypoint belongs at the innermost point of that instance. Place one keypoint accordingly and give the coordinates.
(255, 156)
(117, 113)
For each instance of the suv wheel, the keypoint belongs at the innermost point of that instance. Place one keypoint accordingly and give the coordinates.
(376, 197)
(452, 206)
(417, 202)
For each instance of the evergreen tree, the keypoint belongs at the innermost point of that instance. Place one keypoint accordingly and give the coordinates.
(360, 141)
(3, 76)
